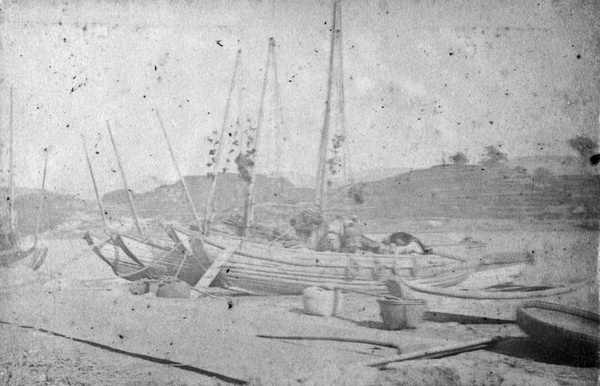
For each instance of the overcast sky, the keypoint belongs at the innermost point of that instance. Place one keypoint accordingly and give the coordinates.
(423, 80)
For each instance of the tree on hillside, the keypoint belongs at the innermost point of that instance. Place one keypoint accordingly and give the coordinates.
(493, 156)
(585, 146)
(357, 193)
(459, 159)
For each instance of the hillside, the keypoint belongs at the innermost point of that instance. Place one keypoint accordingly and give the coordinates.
(56, 209)
(474, 191)
(557, 165)
(452, 191)
(308, 181)
(170, 202)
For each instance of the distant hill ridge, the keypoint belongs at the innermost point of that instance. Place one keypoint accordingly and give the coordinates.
(494, 191)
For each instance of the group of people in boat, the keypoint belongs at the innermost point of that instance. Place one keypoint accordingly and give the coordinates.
(346, 236)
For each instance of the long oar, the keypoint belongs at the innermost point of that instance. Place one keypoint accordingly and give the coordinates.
(185, 187)
(87, 157)
(42, 198)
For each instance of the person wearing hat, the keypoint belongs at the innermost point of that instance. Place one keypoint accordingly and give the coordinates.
(352, 242)
(405, 243)
(332, 239)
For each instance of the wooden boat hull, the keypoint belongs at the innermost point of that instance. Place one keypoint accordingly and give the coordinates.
(162, 260)
(134, 259)
(269, 269)
(32, 258)
(566, 330)
(491, 305)
(116, 259)
(196, 247)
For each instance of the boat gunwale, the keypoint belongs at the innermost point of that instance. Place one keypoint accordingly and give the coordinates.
(560, 308)
(301, 255)
(483, 295)
(566, 339)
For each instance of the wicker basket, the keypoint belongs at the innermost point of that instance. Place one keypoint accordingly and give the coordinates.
(175, 289)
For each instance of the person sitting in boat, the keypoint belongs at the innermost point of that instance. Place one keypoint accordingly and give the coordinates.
(332, 239)
(352, 242)
(401, 243)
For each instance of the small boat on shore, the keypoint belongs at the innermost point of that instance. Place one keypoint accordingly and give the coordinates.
(561, 329)
(12, 252)
(492, 303)
(116, 259)
(134, 258)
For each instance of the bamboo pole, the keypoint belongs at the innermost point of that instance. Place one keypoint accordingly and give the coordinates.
(87, 157)
(335, 339)
(282, 133)
(321, 187)
(249, 209)
(129, 196)
(185, 187)
(42, 198)
(436, 352)
(11, 200)
(210, 199)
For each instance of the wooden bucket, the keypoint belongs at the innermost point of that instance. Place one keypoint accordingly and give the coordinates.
(321, 301)
(402, 313)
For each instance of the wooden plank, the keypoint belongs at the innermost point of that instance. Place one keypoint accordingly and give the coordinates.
(212, 272)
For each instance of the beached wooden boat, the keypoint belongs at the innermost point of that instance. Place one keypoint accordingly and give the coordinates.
(33, 257)
(11, 253)
(134, 258)
(497, 303)
(274, 269)
(271, 269)
(112, 255)
(565, 330)
(168, 260)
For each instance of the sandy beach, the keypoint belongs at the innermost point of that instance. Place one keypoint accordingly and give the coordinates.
(74, 322)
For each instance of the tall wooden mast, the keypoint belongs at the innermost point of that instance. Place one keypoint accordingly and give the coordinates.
(42, 197)
(129, 196)
(249, 209)
(210, 199)
(89, 162)
(321, 188)
(185, 187)
(11, 176)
